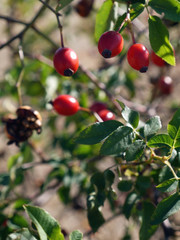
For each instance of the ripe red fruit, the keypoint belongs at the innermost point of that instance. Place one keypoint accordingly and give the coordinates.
(157, 60)
(106, 115)
(138, 57)
(65, 105)
(110, 44)
(66, 61)
(84, 7)
(165, 85)
(98, 106)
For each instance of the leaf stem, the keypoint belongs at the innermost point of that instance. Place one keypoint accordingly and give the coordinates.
(172, 170)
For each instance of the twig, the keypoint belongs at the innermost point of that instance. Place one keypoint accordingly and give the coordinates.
(47, 5)
(101, 86)
(10, 19)
(19, 81)
(21, 34)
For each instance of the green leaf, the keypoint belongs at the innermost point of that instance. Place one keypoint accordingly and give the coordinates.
(97, 132)
(174, 126)
(168, 186)
(159, 40)
(103, 18)
(76, 235)
(166, 208)
(130, 201)
(95, 218)
(160, 140)
(22, 234)
(125, 185)
(47, 227)
(151, 126)
(98, 180)
(147, 230)
(117, 142)
(129, 115)
(170, 8)
(62, 4)
(109, 177)
(135, 11)
(135, 150)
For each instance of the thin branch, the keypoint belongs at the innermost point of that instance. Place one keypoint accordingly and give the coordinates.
(21, 75)
(101, 86)
(12, 20)
(29, 25)
(48, 6)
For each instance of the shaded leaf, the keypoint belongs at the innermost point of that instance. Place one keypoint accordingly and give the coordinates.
(135, 150)
(76, 235)
(168, 186)
(159, 40)
(147, 230)
(125, 185)
(151, 126)
(129, 115)
(62, 4)
(166, 208)
(117, 142)
(174, 126)
(130, 201)
(170, 8)
(97, 132)
(95, 218)
(23, 234)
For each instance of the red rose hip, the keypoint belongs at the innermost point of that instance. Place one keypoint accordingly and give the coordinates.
(138, 57)
(65, 61)
(65, 105)
(157, 60)
(106, 115)
(110, 44)
(165, 85)
(98, 106)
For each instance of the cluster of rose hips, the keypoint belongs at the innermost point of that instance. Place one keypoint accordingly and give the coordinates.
(110, 45)
(67, 105)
